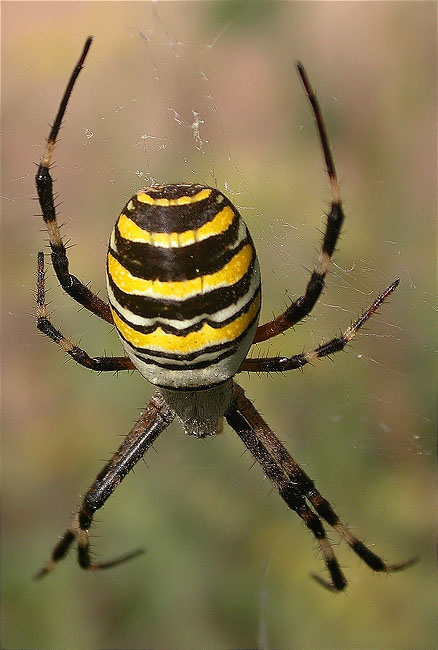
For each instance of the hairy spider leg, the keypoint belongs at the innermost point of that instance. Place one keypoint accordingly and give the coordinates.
(296, 487)
(45, 326)
(153, 421)
(279, 364)
(302, 306)
(70, 283)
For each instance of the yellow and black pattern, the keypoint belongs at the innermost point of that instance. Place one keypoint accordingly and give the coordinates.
(184, 285)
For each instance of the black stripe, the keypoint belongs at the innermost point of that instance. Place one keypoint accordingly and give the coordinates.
(176, 218)
(173, 190)
(206, 303)
(192, 328)
(175, 264)
(190, 366)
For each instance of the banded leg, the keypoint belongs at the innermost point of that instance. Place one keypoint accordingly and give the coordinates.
(80, 356)
(155, 418)
(302, 307)
(278, 364)
(295, 488)
(44, 183)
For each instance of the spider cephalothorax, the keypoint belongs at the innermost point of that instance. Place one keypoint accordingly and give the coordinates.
(184, 295)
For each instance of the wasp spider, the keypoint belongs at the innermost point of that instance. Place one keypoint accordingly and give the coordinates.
(184, 295)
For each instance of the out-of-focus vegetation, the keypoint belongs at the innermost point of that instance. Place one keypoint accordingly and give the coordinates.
(226, 564)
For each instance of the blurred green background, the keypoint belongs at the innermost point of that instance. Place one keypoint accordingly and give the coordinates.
(227, 565)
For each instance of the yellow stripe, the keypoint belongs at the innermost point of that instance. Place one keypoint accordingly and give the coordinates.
(131, 231)
(183, 200)
(195, 341)
(229, 274)
(216, 226)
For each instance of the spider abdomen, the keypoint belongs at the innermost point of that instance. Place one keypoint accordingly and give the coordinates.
(184, 285)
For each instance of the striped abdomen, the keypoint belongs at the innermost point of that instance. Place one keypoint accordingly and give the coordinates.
(184, 285)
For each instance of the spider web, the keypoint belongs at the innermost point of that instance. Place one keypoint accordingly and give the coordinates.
(179, 103)
(180, 106)
(199, 95)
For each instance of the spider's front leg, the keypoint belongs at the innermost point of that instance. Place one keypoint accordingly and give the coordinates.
(44, 183)
(295, 488)
(156, 417)
(302, 306)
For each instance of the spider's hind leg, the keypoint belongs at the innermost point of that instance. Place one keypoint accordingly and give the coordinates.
(295, 488)
(76, 532)
(325, 510)
(155, 418)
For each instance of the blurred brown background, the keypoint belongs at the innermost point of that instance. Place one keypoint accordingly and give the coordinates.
(227, 565)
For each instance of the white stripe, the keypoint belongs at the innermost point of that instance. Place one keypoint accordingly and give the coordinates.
(112, 244)
(214, 373)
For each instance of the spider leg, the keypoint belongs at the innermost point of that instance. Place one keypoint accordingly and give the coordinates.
(80, 356)
(265, 451)
(278, 364)
(155, 418)
(44, 183)
(295, 487)
(301, 307)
